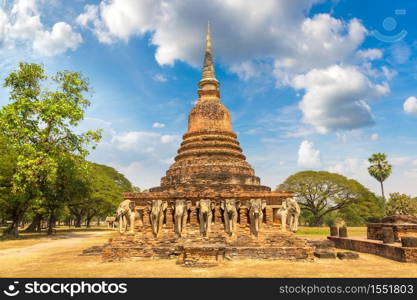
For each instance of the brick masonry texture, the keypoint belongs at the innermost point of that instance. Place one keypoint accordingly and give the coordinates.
(374, 231)
(210, 164)
(195, 250)
(391, 251)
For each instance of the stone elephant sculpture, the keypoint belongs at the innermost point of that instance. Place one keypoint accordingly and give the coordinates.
(256, 215)
(180, 208)
(157, 210)
(205, 215)
(230, 207)
(294, 212)
(282, 214)
(125, 215)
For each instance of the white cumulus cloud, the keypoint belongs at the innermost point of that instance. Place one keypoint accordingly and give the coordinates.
(60, 39)
(278, 38)
(336, 98)
(276, 30)
(160, 78)
(158, 125)
(410, 105)
(21, 25)
(308, 156)
(375, 137)
(142, 141)
(370, 54)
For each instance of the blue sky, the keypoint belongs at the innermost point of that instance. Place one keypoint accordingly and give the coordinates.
(310, 84)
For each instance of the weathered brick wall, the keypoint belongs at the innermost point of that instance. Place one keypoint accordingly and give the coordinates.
(374, 230)
(390, 251)
(194, 249)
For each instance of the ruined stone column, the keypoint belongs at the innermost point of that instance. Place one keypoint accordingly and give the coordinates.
(269, 215)
(243, 217)
(146, 219)
(139, 219)
(217, 215)
(169, 221)
(193, 216)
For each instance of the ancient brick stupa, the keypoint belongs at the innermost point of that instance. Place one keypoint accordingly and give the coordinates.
(210, 162)
(209, 167)
(210, 158)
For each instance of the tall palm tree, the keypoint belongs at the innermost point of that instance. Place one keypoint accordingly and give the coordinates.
(380, 169)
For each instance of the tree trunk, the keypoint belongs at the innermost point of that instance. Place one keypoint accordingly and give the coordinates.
(317, 221)
(12, 230)
(51, 224)
(35, 225)
(382, 189)
(77, 222)
(87, 222)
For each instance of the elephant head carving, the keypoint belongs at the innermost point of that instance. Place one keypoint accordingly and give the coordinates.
(125, 215)
(205, 214)
(282, 214)
(180, 208)
(256, 207)
(157, 210)
(294, 212)
(289, 214)
(230, 207)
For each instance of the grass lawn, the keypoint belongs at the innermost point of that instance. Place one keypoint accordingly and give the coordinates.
(59, 256)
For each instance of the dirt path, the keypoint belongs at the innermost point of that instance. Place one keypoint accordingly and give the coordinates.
(61, 258)
(66, 241)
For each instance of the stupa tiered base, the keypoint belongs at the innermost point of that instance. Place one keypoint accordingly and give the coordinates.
(196, 250)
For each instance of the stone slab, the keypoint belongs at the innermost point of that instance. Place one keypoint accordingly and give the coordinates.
(347, 255)
(324, 254)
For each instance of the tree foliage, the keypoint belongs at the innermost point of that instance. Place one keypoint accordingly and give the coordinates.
(401, 204)
(368, 208)
(101, 193)
(322, 193)
(38, 125)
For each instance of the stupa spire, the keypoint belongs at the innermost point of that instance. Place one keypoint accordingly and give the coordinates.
(209, 86)
(208, 66)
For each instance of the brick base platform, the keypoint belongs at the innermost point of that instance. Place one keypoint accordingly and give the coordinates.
(391, 251)
(194, 250)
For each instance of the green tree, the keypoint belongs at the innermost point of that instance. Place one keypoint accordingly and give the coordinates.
(401, 204)
(321, 193)
(10, 203)
(38, 124)
(368, 208)
(380, 169)
(105, 188)
(108, 185)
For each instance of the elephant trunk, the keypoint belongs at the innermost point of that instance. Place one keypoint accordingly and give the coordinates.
(256, 223)
(178, 224)
(155, 221)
